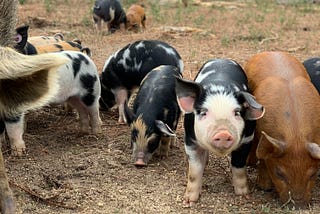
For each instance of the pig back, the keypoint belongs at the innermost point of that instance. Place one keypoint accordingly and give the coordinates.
(273, 64)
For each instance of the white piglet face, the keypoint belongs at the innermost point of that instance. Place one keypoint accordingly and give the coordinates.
(218, 124)
(220, 114)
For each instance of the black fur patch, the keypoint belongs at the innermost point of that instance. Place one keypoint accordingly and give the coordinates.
(87, 82)
(76, 64)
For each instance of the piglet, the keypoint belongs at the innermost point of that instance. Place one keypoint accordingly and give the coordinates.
(155, 114)
(220, 117)
(136, 18)
(110, 12)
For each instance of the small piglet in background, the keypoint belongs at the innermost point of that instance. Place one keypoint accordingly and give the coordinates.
(125, 69)
(155, 114)
(79, 86)
(110, 12)
(42, 44)
(220, 117)
(136, 18)
(44, 40)
(312, 66)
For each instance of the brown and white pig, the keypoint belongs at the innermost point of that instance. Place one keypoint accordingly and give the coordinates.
(220, 117)
(24, 46)
(155, 114)
(287, 137)
(136, 18)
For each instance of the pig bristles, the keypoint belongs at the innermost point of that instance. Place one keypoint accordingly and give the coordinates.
(142, 128)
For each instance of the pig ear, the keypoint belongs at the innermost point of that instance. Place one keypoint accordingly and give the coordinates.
(128, 113)
(272, 147)
(164, 128)
(314, 150)
(22, 36)
(187, 92)
(253, 109)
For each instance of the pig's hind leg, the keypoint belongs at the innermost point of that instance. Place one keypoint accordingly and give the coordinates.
(121, 96)
(76, 103)
(15, 130)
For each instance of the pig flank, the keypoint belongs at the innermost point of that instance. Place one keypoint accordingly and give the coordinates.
(220, 118)
(287, 137)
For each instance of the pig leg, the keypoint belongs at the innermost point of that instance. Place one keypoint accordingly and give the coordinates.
(164, 146)
(263, 179)
(143, 22)
(95, 120)
(197, 159)
(121, 96)
(76, 103)
(97, 22)
(2, 132)
(6, 197)
(239, 173)
(15, 129)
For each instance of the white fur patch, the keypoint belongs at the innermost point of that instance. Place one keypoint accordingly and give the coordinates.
(168, 50)
(140, 45)
(239, 181)
(111, 13)
(205, 75)
(125, 56)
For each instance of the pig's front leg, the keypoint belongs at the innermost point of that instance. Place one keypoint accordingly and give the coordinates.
(15, 129)
(239, 172)
(197, 159)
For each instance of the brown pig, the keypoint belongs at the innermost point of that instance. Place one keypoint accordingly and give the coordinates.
(287, 138)
(135, 18)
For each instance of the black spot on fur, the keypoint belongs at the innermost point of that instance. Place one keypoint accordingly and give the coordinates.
(76, 63)
(87, 82)
(58, 47)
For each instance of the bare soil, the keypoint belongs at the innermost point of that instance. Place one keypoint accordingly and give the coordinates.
(66, 172)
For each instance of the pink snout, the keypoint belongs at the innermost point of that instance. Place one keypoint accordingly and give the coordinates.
(222, 140)
(139, 161)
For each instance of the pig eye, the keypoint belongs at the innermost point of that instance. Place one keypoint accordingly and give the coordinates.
(202, 112)
(280, 175)
(237, 112)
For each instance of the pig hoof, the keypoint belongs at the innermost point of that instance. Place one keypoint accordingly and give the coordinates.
(18, 151)
(8, 205)
(241, 190)
(187, 203)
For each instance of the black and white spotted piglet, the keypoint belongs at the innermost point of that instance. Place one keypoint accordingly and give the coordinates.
(155, 114)
(125, 69)
(110, 12)
(79, 86)
(220, 118)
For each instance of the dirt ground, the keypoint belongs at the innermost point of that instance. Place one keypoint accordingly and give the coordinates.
(65, 172)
